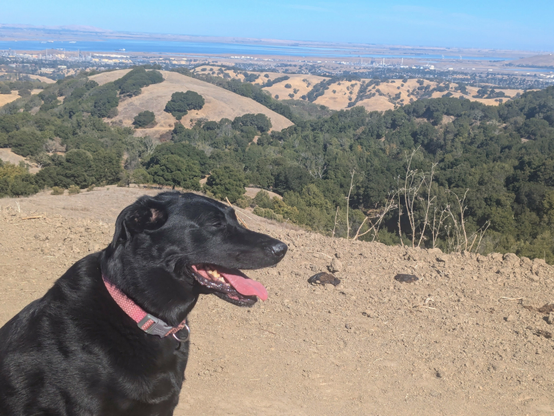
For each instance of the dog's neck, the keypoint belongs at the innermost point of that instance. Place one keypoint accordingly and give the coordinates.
(148, 323)
(155, 289)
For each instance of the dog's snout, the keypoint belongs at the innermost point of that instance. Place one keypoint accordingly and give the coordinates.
(279, 249)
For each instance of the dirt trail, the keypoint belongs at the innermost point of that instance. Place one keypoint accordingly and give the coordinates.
(465, 339)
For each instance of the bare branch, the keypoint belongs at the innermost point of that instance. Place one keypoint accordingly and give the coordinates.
(352, 173)
(336, 216)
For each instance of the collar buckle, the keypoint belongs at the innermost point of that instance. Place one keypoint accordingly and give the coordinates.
(154, 326)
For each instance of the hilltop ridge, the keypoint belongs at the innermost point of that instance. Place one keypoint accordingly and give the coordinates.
(469, 334)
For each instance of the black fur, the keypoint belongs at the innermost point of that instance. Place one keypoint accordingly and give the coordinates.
(75, 352)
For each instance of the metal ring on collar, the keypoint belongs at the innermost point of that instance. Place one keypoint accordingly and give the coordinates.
(186, 338)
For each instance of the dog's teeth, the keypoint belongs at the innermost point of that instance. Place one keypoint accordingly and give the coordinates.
(215, 273)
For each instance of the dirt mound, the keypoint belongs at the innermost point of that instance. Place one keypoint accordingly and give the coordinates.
(469, 337)
(219, 103)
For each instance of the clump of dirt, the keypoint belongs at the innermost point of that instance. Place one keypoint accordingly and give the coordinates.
(473, 335)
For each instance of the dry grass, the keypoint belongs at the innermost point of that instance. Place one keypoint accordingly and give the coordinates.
(338, 94)
(7, 155)
(105, 77)
(42, 79)
(8, 98)
(343, 90)
(301, 82)
(218, 72)
(376, 103)
(252, 192)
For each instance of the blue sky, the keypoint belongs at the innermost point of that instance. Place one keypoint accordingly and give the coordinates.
(505, 24)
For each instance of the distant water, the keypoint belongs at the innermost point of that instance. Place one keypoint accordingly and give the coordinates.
(210, 48)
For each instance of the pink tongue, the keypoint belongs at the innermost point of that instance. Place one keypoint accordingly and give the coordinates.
(246, 287)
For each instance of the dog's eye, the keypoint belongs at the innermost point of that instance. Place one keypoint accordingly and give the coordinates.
(217, 224)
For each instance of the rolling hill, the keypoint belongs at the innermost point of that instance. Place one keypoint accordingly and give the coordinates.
(220, 103)
(379, 96)
(545, 60)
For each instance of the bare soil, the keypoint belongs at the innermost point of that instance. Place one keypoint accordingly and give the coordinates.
(467, 338)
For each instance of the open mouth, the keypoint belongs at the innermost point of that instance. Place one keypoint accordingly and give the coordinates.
(229, 284)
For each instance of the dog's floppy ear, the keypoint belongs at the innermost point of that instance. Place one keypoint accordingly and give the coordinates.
(145, 214)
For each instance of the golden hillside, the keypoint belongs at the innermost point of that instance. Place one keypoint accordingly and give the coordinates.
(385, 95)
(220, 103)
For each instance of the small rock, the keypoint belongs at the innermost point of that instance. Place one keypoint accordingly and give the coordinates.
(338, 255)
(335, 266)
(526, 261)
(542, 333)
(539, 262)
(509, 318)
(546, 308)
(550, 318)
(41, 237)
(532, 277)
(535, 268)
(495, 256)
(510, 258)
(323, 279)
(406, 278)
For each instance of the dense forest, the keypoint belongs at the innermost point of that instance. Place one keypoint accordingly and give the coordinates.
(447, 173)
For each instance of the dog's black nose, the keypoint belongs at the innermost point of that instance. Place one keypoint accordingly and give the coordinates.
(279, 249)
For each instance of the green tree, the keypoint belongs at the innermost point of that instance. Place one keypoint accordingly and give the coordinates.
(143, 119)
(4, 89)
(227, 182)
(26, 142)
(182, 102)
(131, 83)
(105, 99)
(260, 121)
(185, 151)
(175, 171)
(263, 200)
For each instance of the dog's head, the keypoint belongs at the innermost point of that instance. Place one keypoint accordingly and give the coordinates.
(191, 244)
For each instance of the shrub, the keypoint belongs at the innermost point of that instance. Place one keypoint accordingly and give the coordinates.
(143, 119)
(263, 200)
(73, 190)
(56, 190)
(268, 213)
(243, 202)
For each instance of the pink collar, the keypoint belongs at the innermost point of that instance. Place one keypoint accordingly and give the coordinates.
(148, 323)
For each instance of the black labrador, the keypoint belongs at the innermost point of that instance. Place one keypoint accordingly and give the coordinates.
(110, 337)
